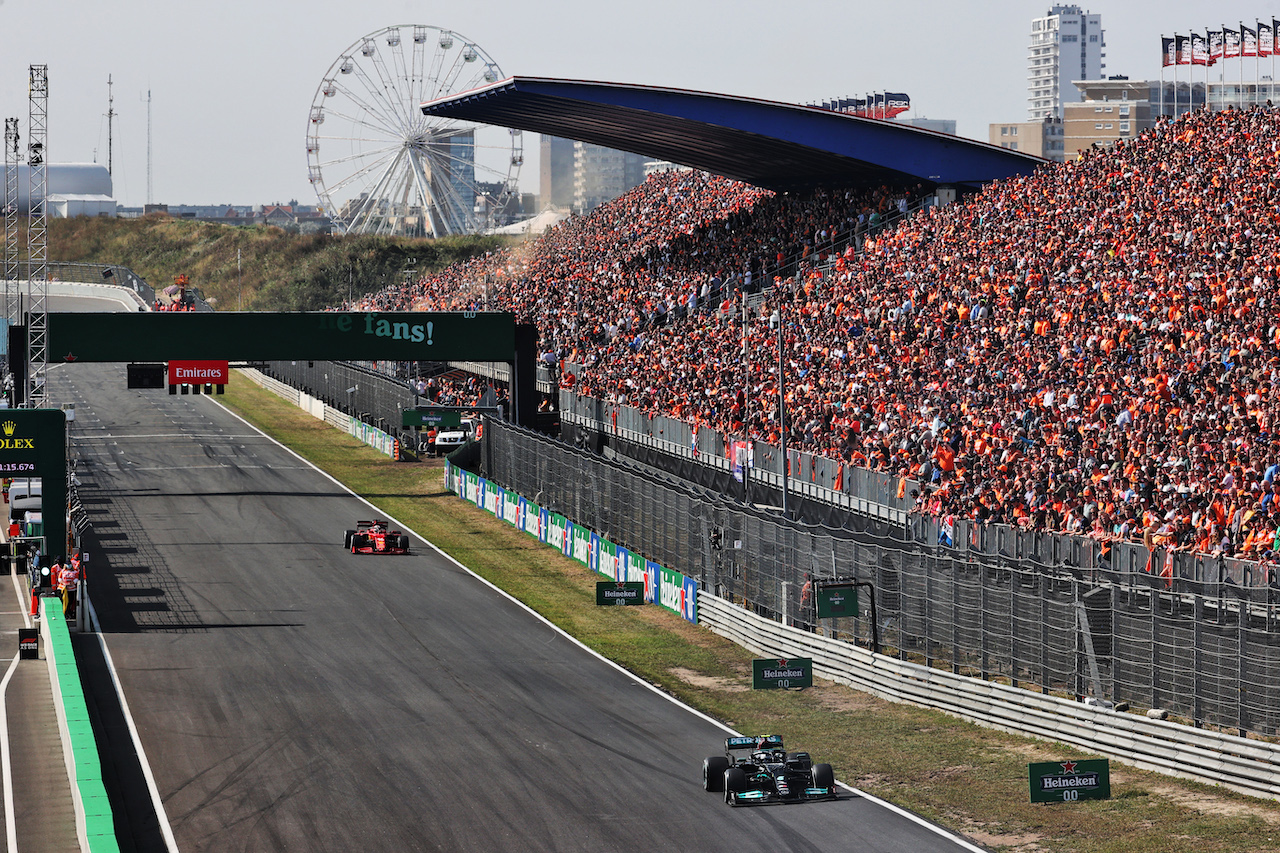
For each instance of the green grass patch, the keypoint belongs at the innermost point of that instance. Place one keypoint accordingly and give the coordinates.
(970, 779)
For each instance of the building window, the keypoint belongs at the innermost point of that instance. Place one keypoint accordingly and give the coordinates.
(1124, 111)
(1097, 109)
(1108, 109)
(1004, 131)
(1013, 146)
(1098, 126)
(1110, 126)
(1124, 127)
(1013, 131)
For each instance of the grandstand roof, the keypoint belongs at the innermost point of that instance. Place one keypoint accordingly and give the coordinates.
(782, 147)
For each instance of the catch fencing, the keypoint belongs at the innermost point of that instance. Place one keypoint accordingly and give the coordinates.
(1208, 653)
(826, 482)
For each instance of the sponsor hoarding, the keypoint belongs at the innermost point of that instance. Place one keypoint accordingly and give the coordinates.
(199, 373)
(619, 592)
(776, 673)
(836, 600)
(1070, 781)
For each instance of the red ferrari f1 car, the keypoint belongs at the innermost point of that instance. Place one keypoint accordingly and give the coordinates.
(375, 537)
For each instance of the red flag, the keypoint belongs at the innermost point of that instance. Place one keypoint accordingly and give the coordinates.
(839, 483)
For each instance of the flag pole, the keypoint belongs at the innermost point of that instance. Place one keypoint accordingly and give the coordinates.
(1162, 63)
(1257, 64)
(1176, 62)
(1239, 89)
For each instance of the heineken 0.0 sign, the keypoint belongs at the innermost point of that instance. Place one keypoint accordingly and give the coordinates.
(429, 417)
(774, 673)
(1070, 781)
(836, 600)
(620, 592)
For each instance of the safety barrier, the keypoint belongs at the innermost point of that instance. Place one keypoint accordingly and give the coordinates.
(95, 826)
(1241, 764)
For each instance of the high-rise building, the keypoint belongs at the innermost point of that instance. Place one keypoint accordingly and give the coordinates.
(602, 174)
(555, 178)
(1066, 44)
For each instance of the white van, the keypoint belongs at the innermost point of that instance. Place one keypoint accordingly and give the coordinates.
(24, 494)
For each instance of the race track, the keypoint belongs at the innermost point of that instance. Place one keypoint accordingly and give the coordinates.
(292, 696)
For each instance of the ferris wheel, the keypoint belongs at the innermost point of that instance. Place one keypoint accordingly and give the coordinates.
(379, 166)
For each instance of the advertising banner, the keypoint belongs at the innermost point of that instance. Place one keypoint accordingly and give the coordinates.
(1070, 781)
(652, 580)
(558, 533)
(530, 519)
(836, 600)
(199, 373)
(607, 558)
(619, 592)
(635, 570)
(678, 593)
(580, 548)
(511, 508)
(593, 555)
(777, 673)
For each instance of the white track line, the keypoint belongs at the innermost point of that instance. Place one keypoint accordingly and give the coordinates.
(161, 816)
(10, 816)
(915, 818)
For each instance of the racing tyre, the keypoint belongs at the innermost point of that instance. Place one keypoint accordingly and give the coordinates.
(823, 777)
(735, 781)
(346, 539)
(404, 543)
(356, 542)
(713, 772)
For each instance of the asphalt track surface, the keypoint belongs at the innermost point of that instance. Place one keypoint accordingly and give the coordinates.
(292, 696)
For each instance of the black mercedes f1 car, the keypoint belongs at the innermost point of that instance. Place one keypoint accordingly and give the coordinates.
(768, 774)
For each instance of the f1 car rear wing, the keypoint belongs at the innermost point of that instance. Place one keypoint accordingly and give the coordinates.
(759, 742)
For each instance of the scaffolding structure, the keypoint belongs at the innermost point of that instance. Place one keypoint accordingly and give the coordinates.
(12, 267)
(37, 238)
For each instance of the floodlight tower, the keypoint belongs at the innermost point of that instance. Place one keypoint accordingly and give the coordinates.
(37, 238)
(12, 269)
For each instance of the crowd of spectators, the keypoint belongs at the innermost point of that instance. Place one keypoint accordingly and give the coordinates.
(1092, 348)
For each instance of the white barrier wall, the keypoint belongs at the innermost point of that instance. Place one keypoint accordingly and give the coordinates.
(372, 436)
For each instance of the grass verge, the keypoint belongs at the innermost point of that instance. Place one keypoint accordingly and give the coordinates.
(962, 776)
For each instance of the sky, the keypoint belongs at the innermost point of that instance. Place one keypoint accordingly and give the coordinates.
(231, 83)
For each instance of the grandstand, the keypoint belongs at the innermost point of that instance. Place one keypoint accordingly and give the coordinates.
(1084, 350)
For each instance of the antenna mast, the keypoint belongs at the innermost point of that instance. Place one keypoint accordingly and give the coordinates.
(111, 114)
(150, 198)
